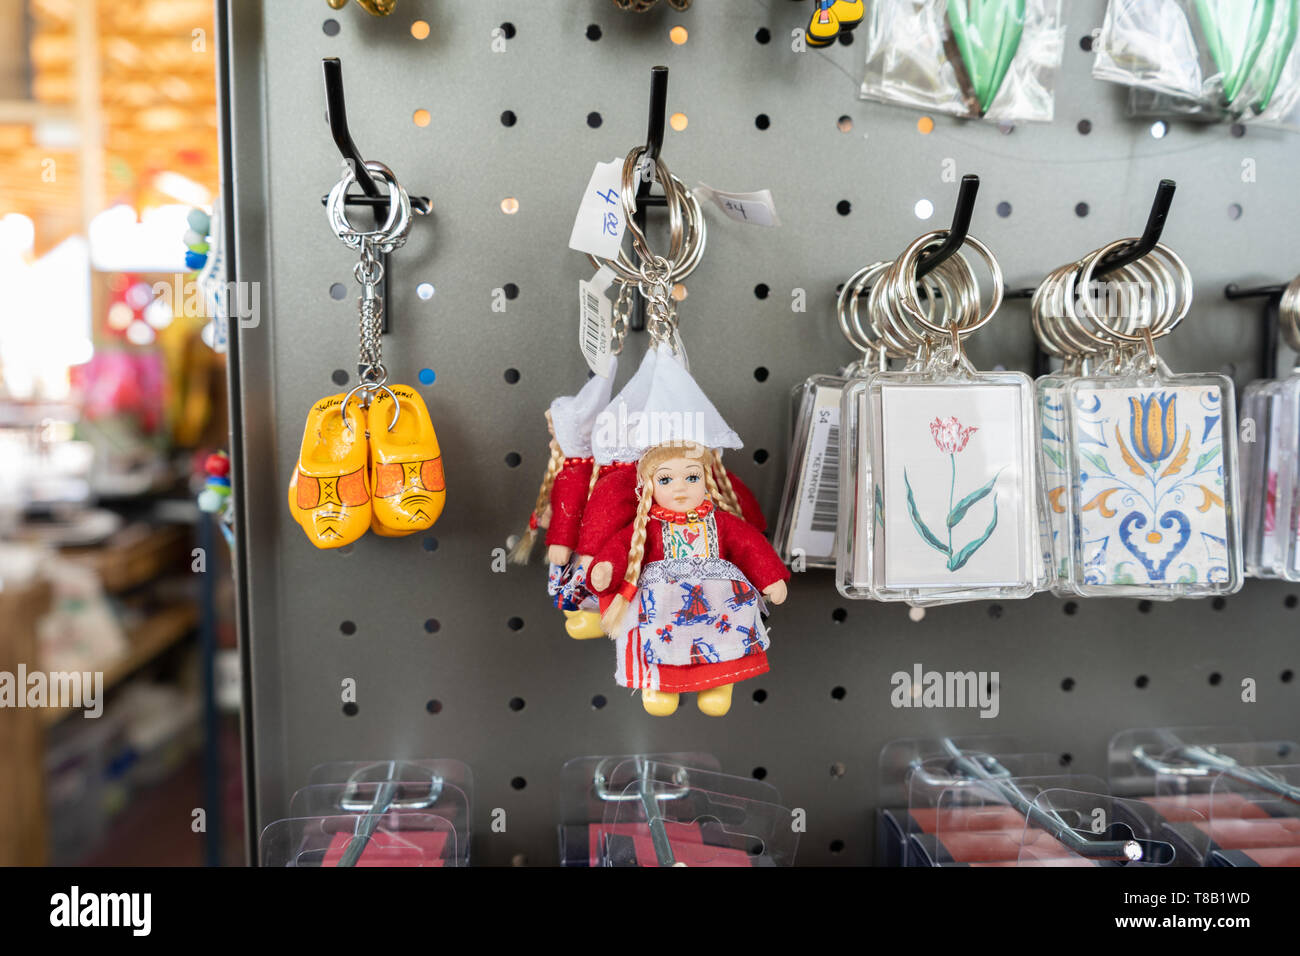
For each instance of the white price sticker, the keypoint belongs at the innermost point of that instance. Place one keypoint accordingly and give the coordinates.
(596, 321)
(598, 227)
(757, 209)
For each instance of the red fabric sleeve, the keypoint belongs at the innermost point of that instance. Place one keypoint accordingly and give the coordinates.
(748, 550)
(568, 501)
(749, 507)
(611, 507)
(614, 550)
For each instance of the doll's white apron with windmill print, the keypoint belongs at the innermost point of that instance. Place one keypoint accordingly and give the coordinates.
(693, 609)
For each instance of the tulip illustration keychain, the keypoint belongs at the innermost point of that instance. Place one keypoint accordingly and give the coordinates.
(940, 504)
(369, 458)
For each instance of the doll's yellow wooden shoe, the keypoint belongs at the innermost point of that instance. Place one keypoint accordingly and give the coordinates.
(823, 28)
(583, 625)
(715, 701)
(329, 494)
(658, 703)
(406, 463)
(848, 12)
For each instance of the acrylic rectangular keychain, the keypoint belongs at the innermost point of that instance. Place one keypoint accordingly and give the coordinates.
(1153, 466)
(1083, 352)
(943, 502)
(1258, 450)
(1270, 453)
(806, 525)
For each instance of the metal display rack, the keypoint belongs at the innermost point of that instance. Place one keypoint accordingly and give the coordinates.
(452, 658)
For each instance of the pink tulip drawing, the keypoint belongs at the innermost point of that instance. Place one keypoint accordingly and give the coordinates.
(949, 435)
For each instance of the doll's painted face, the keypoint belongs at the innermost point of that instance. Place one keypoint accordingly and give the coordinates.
(679, 484)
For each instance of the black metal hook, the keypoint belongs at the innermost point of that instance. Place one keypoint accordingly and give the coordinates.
(1269, 332)
(1150, 235)
(336, 115)
(929, 261)
(654, 141)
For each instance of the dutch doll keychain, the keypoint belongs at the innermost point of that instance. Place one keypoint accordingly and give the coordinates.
(684, 578)
(562, 500)
(369, 458)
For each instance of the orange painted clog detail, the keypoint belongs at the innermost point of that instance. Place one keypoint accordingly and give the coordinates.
(406, 464)
(329, 494)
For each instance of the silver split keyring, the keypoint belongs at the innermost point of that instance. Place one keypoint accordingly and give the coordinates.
(392, 234)
(370, 387)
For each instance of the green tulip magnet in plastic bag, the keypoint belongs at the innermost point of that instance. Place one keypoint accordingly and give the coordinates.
(982, 59)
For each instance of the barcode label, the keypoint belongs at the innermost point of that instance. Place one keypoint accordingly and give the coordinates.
(595, 326)
(817, 509)
(826, 504)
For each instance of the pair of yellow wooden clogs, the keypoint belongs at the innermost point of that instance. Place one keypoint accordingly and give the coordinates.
(365, 472)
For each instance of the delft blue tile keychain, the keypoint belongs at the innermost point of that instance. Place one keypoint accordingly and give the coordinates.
(1150, 456)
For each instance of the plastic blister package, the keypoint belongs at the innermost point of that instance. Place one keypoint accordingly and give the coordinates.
(981, 59)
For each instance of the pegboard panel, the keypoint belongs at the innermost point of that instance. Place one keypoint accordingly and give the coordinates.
(452, 659)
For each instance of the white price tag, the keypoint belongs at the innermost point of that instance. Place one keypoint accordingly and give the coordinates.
(598, 227)
(819, 485)
(757, 209)
(596, 322)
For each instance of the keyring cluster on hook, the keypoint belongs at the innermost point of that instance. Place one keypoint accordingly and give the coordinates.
(1096, 325)
(654, 275)
(918, 319)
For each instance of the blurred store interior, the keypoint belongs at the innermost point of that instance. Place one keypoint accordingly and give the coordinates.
(112, 420)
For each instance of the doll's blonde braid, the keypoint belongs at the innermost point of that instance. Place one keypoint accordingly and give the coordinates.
(719, 483)
(523, 548)
(609, 621)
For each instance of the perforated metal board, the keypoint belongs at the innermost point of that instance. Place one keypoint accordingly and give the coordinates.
(496, 640)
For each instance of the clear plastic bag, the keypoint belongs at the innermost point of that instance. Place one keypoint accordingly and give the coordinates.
(995, 60)
(1214, 59)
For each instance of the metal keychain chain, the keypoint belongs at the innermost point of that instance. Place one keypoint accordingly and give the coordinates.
(369, 272)
(372, 376)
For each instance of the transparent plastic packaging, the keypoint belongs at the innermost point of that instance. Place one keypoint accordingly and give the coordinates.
(376, 813)
(982, 60)
(806, 523)
(667, 815)
(394, 838)
(1153, 484)
(1151, 45)
(941, 508)
(588, 784)
(1213, 791)
(1255, 816)
(1233, 59)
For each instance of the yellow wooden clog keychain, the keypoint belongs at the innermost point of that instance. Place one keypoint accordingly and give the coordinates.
(369, 458)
